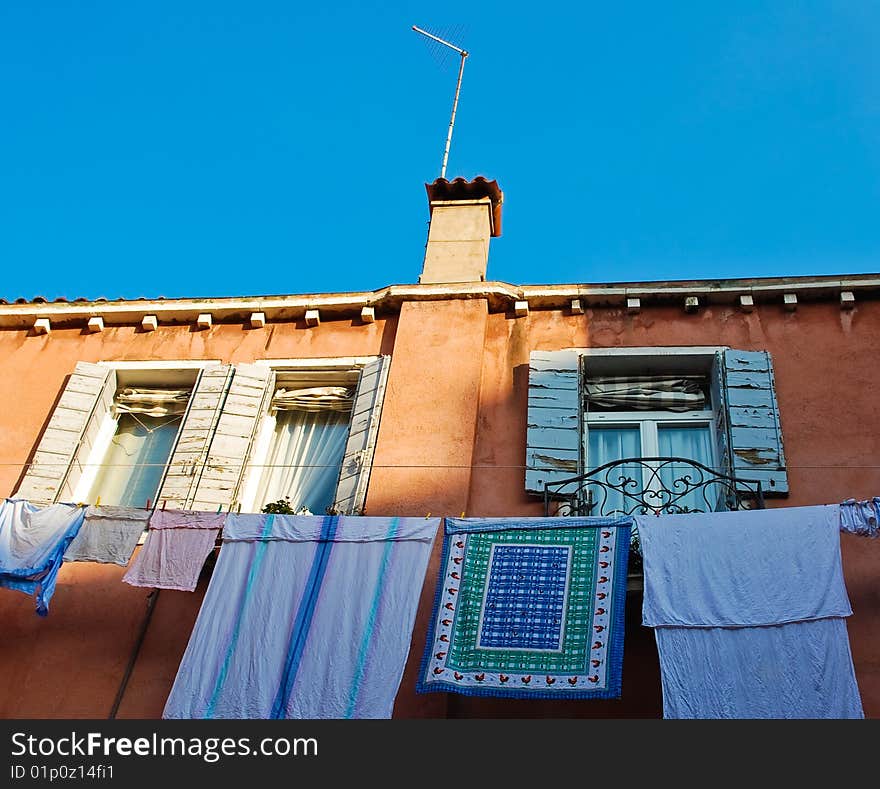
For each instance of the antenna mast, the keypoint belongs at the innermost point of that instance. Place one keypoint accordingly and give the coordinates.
(464, 55)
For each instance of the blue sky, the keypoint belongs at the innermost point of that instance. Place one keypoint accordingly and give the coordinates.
(228, 148)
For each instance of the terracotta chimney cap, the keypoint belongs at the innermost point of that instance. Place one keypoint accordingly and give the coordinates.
(462, 189)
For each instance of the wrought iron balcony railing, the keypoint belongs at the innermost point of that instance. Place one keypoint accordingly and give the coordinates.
(651, 486)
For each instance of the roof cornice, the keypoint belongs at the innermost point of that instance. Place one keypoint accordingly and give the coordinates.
(501, 296)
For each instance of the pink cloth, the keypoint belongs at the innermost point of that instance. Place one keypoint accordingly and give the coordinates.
(175, 550)
(185, 519)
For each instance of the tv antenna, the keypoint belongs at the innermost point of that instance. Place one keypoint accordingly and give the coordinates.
(464, 55)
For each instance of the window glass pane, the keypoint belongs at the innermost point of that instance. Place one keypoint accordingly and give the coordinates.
(304, 460)
(133, 466)
(607, 444)
(693, 442)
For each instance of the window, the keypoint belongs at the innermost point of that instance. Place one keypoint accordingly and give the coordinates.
(304, 460)
(666, 415)
(313, 442)
(134, 444)
(205, 436)
(301, 440)
(112, 433)
(722, 412)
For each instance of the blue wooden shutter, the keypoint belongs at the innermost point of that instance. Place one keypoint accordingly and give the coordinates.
(553, 436)
(718, 394)
(753, 420)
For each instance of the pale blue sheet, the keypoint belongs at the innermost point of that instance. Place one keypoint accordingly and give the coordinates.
(748, 613)
(756, 567)
(796, 670)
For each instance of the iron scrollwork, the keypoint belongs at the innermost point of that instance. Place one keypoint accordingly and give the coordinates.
(650, 486)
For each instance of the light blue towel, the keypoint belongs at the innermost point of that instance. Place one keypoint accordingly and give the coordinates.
(748, 613)
(305, 617)
(32, 544)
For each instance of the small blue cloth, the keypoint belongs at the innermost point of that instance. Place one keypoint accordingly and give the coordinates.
(860, 517)
(32, 544)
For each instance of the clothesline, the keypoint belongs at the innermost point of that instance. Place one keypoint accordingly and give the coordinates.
(248, 464)
(857, 516)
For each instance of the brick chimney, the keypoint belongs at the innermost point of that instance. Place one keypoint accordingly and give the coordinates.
(464, 216)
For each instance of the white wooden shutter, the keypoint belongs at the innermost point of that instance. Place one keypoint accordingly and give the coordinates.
(218, 481)
(553, 433)
(67, 441)
(354, 476)
(193, 441)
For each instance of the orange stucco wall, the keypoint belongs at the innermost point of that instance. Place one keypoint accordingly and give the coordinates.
(452, 440)
(426, 441)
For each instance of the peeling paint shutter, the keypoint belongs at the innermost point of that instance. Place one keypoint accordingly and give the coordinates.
(57, 463)
(717, 393)
(354, 476)
(553, 437)
(190, 452)
(219, 479)
(754, 424)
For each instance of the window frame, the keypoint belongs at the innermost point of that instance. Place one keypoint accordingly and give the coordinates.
(742, 385)
(648, 423)
(267, 422)
(661, 360)
(107, 429)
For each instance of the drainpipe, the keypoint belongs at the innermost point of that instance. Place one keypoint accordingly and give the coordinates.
(151, 604)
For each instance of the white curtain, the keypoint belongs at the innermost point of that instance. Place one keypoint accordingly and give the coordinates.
(304, 460)
(607, 444)
(693, 443)
(646, 393)
(315, 398)
(152, 402)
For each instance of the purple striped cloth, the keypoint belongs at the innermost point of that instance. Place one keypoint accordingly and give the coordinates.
(175, 550)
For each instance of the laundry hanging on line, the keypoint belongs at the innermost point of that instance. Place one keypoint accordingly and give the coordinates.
(748, 610)
(305, 617)
(32, 544)
(177, 545)
(108, 535)
(860, 517)
(529, 608)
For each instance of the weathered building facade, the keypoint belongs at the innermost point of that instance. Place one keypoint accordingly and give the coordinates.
(469, 395)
